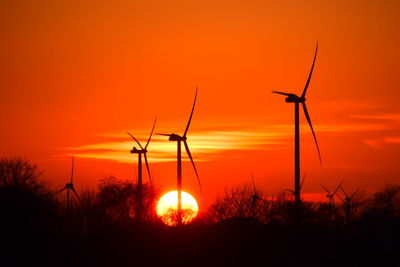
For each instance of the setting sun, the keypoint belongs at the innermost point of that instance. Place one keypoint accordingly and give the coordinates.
(167, 208)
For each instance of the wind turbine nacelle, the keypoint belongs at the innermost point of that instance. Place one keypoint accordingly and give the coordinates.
(137, 151)
(175, 137)
(294, 98)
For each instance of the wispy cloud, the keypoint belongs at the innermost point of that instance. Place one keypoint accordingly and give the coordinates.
(204, 146)
(395, 140)
(379, 143)
(208, 144)
(388, 121)
(379, 116)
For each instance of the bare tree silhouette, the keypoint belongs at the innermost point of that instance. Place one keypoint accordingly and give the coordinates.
(90, 216)
(388, 200)
(351, 204)
(173, 218)
(19, 173)
(120, 200)
(28, 211)
(238, 202)
(384, 205)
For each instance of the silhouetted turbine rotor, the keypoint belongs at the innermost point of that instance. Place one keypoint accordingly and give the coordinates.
(70, 186)
(183, 138)
(179, 139)
(297, 100)
(143, 150)
(332, 195)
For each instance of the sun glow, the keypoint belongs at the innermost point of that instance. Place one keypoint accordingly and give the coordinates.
(167, 208)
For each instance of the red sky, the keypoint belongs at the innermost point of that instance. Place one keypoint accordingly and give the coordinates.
(74, 77)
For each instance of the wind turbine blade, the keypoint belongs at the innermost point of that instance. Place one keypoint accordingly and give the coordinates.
(344, 201)
(191, 114)
(309, 76)
(72, 168)
(355, 193)
(254, 185)
(147, 167)
(152, 130)
(194, 166)
(59, 191)
(302, 181)
(312, 129)
(163, 134)
(76, 194)
(281, 93)
(326, 189)
(344, 192)
(337, 189)
(135, 140)
(290, 191)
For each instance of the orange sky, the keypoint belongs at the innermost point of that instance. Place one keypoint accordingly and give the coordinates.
(75, 77)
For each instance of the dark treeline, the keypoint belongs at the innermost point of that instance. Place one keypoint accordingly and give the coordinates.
(239, 229)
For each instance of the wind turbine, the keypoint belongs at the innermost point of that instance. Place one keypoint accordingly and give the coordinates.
(297, 100)
(70, 187)
(139, 152)
(348, 203)
(179, 139)
(330, 195)
(255, 196)
(142, 150)
(301, 185)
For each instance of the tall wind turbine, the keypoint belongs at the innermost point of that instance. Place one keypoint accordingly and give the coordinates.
(349, 204)
(179, 139)
(255, 197)
(292, 192)
(297, 100)
(139, 152)
(331, 196)
(70, 187)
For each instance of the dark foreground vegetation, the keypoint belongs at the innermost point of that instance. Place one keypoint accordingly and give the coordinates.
(240, 229)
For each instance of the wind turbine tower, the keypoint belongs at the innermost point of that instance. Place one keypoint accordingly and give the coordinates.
(142, 151)
(297, 100)
(70, 187)
(179, 140)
